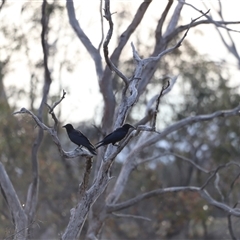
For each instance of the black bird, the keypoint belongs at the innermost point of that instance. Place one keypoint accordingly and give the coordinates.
(115, 136)
(78, 138)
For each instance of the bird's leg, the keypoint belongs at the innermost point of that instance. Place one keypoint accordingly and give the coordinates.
(80, 147)
(116, 145)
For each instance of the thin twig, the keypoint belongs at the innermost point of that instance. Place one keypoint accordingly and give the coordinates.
(131, 216)
(210, 19)
(160, 55)
(182, 28)
(150, 159)
(56, 103)
(189, 161)
(164, 87)
(73, 154)
(216, 171)
(51, 109)
(21, 230)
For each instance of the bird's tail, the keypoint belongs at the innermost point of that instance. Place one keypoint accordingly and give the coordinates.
(92, 150)
(99, 144)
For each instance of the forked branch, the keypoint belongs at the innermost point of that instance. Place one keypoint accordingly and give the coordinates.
(53, 132)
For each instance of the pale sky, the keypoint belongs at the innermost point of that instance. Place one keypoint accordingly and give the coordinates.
(83, 100)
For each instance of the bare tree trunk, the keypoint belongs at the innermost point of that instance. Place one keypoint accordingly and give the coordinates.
(19, 218)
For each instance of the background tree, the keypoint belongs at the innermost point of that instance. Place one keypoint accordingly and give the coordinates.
(181, 162)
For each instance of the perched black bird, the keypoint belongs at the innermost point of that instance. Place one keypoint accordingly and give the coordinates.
(78, 138)
(115, 136)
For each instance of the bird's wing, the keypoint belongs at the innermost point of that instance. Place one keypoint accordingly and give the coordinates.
(80, 139)
(84, 141)
(106, 138)
(87, 142)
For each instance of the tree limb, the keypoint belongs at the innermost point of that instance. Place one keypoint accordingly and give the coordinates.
(32, 195)
(84, 39)
(164, 88)
(72, 154)
(130, 216)
(51, 110)
(108, 16)
(158, 32)
(230, 228)
(175, 18)
(106, 82)
(130, 202)
(216, 171)
(2, 4)
(129, 163)
(18, 214)
(184, 122)
(203, 193)
(102, 32)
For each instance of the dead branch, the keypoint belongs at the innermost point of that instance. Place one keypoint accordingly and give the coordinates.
(51, 110)
(106, 84)
(164, 88)
(56, 103)
(108, 16)
(175, 18)
(195, 24)
(214, 172)
(130, 202)
(16, 234)
(160, 55)
(101, 20)
(230, 228)
(217, 187)
(72, 154)
(84, 39)
(189, 120)
(158, 32)
(131, 216)
(232, 184)
(129, 164)
(203, 193)
(220, 24)
(17, 211)
(32, 195)
(2, 4)
(189, 161)
(80, 212)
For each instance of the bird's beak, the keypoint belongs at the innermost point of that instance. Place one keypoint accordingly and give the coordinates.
(64, 126)
(133, 127)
